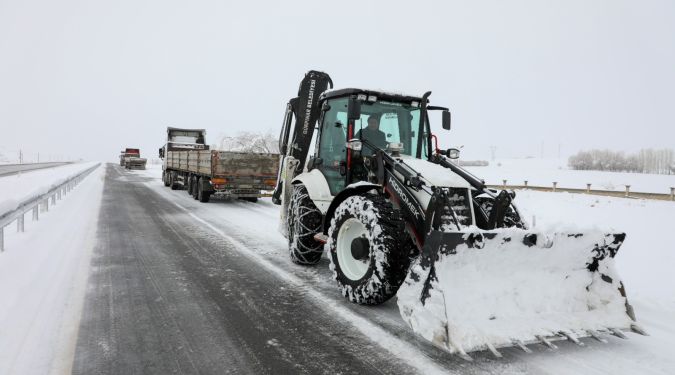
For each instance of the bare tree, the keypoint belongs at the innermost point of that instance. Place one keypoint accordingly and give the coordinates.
(249, 142)
(645, 161)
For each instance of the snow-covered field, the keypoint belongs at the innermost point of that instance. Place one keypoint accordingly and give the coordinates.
(543, 172)
(43, 273)
(17, 188)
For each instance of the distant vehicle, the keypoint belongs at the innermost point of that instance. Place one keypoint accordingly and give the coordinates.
(131, 158)
(190, 165)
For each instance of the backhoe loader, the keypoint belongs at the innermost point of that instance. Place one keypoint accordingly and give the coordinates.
(396, 216)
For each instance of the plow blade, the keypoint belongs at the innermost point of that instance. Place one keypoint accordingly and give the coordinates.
(485, 290)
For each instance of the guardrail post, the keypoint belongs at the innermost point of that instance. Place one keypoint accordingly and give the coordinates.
(588, 188)
(2, 239)
(36, 216)
(672, 193)
(53, 199)
(45, 205)
(555, 185)
(19, 223)
(627, 190)
(525, 183)
(58, 193)
(504, 181)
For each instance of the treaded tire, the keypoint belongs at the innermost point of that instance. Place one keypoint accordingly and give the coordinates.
(173, 184)
(189, 186)
(388, 258)
(165, 179)
(195, 184)
(304, 221)
(202, 195)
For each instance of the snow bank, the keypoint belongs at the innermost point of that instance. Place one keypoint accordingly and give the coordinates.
(15, 189)
(543, 172)
(43, 282)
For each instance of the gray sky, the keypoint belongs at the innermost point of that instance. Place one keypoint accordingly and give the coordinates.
(86, 78)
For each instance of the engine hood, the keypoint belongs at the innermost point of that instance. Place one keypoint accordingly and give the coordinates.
(435, 174)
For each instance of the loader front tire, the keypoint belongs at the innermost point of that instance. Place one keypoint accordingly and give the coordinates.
(304, 221)
(368, 251)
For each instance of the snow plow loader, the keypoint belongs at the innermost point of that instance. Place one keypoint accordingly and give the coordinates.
(398, 217)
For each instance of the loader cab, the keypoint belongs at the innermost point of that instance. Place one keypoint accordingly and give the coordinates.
(388, 122)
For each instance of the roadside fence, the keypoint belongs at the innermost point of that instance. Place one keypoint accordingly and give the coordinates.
(39, 204)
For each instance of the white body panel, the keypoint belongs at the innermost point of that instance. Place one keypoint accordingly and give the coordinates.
(317, 187)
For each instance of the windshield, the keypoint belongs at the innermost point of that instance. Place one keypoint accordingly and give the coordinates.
(381, 123)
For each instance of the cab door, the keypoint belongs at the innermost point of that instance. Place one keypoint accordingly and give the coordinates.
(332, 145)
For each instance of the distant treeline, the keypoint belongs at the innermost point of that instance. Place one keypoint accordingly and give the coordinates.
(645, 161)
(473, 163)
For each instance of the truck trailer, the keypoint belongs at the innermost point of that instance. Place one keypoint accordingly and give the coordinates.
(189, 163)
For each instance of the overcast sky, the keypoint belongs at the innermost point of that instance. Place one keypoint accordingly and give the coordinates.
(87, 78)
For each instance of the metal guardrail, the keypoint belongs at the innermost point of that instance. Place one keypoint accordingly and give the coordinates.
(11, 169)
(609, 193)
(39, 204)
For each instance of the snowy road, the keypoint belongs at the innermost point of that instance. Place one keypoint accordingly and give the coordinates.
(10, 169)
(180, 286)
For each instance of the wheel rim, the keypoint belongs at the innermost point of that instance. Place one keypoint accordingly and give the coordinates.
(351, 267)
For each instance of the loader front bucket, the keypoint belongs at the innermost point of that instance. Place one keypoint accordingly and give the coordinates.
(484, 290)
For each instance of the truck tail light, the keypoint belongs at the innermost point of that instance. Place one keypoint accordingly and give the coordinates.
(219, 181)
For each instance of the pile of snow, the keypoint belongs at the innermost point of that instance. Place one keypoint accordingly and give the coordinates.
(503, 291)
(15, 189)
(543, 172)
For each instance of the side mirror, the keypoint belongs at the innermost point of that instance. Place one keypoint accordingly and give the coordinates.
(452, 153)
(446, 120)
(353, 109)
(161, 153)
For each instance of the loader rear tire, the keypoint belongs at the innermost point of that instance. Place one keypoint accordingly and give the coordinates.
(304, 221)
(368, 249)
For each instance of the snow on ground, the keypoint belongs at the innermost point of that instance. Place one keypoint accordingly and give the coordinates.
(645, 263)
(43, 275)
(17, 188)
(543, 172)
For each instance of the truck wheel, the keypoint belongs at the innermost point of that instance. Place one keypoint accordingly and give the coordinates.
(367, 249)
(173, 183)
(202, 195)
(190, 185)
(195, 187)
(165, 179)
(304, 221)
